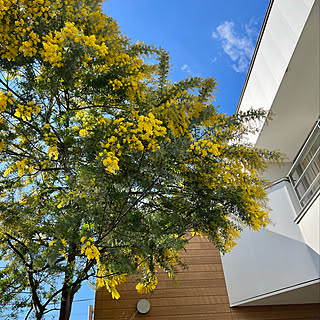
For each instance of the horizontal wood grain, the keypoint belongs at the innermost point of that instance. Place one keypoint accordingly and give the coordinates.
(169, 284)
(200, 245)
(194, 276)
(168, 310)
(205, 316)
(176, 292)
(189, 260)
(200, 252)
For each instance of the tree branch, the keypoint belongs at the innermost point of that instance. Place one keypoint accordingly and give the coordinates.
(28, 313)
(28, 265)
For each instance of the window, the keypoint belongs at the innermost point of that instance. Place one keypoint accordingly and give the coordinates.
(305, 173)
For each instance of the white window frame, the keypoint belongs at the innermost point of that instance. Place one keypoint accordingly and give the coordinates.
(310, 181)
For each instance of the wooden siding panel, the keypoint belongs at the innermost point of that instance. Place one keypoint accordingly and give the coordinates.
(175, 292)
(168, 284)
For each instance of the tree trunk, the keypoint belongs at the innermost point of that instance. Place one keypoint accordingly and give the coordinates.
(66, 304)
(67, 293)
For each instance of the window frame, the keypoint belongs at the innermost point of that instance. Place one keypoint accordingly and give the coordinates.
(303, 162)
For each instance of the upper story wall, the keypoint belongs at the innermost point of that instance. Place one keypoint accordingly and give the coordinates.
(295, 104)
(283, 29)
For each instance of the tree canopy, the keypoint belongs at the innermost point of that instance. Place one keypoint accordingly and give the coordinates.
(106, 164)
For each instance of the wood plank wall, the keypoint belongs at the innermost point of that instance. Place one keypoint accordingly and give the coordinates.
(200, 293)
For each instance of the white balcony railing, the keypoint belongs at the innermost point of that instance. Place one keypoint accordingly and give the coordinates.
(305, 173)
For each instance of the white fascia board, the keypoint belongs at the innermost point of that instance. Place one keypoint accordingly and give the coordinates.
(281, 33)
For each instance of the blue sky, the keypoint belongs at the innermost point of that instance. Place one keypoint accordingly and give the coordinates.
(204, 37)
(207, 38)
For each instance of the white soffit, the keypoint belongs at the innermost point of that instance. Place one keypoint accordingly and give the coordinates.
(282, 31)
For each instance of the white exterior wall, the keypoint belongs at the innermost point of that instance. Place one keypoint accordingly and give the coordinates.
(310, 227)
(274, 172)
(272, 260)
(280, 38)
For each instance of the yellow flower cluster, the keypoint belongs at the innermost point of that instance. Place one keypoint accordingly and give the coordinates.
(22, 19)
(21, 166)
(150, 280)
(171, 257)
(258, 217)
(17, 30)
(110, 161)
(60, 250)
(176, 117)
(88, 121)
(149, 128)
(51, 140)
(5, 98)
(83, 132)
(106, 278)
(229, 240)
(205, 146)
(25, 111)
(9, 170)
(89, 249)
(52, 49)
(29, 47)
(55, 47)
(132, 67)
(196, 233)
(116, 84)
(2, 145)
(147, 286)
(53, 152)
(197, 108)
(145, 134)
(226, 233)
(132, 76)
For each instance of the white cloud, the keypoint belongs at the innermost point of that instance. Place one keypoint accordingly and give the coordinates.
(215, 35)
(252, 28)
(238, 47)
(186, 68)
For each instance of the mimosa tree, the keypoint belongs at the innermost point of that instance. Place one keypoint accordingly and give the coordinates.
(106, 164)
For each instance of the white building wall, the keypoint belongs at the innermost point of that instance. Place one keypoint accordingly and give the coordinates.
(310, 227)
(282, 32)
(272, 260)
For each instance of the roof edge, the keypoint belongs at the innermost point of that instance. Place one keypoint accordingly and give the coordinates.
(255, 53)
